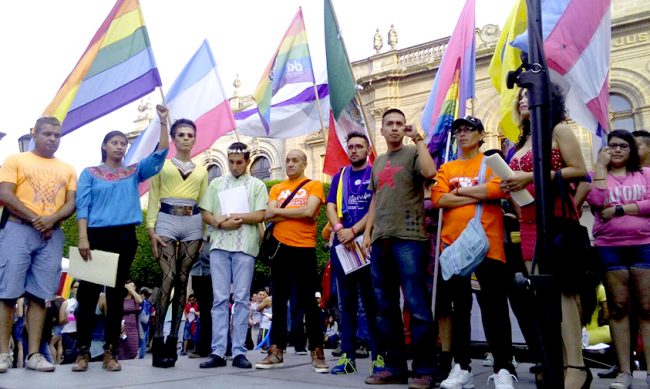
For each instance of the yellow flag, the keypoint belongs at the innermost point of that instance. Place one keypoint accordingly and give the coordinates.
(507, 58)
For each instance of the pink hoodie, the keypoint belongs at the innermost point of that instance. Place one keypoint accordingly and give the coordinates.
(626, 230)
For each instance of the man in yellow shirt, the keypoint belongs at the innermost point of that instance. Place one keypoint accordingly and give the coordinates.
(38, 190)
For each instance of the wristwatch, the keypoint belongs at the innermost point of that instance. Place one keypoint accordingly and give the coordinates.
(619, 211)
(417, 138)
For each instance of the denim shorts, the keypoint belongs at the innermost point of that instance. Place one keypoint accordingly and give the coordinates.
(28, 263)
(624, 257)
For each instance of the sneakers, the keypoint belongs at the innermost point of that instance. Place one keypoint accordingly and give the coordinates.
(458, 378)
(301, 351)
(362, 352)
(502, 379)
(6, 361)
(241, 362)
(337, 352)
(622, 381)
(38, 362)
(385, 377)
(318, 361)
(489, 360)
(274, 359)
(377, 365)
(421, 382)
(345, 365)
(110, 362)
(81, 363)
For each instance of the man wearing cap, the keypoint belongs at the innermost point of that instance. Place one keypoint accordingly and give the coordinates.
(399, 254)
(458, 192)
(235, 243)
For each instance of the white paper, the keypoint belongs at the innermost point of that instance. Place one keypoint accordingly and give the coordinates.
(101, 270)
(501, 169)
(234, 200)
(352, 260)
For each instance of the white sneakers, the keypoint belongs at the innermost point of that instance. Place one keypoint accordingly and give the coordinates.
(489, 360)
(622, 381)
(503, 379)
(6, 361)
(38, 362)
(458, 378)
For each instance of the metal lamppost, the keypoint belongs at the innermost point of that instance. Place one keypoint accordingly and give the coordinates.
(23, 142)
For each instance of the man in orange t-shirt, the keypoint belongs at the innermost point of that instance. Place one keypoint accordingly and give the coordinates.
(294, 265)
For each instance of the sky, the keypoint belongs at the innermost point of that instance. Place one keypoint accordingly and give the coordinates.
(42, 40)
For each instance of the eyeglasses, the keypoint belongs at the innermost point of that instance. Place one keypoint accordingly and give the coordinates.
(622, 146)
(464, 129)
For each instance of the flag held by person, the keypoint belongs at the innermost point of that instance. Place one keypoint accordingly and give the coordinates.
(117, 68)
(290, 64)
(507, 58)
(198, 95)
(577, 44)
(453, 84)
(345, 114)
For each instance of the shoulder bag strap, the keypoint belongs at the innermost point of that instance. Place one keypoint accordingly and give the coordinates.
(291, 196)
(481, 180)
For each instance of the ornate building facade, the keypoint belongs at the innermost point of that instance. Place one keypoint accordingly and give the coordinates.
(403, 78)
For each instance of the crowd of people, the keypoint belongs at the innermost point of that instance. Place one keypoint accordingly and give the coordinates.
(383, 231)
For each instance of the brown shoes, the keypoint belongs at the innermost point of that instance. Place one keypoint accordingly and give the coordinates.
(274, 359)
(81, 364)
(318, 361)
(110, 362)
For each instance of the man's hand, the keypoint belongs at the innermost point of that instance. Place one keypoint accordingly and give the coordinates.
(46, 235)
(345, 235)
(44, 223)
(156, 241)
(232, 223)
(84, 249)
(365, 245)
(608, 213)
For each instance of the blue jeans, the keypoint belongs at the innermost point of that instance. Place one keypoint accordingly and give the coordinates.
(228, 268)
(352, 288)
(396, 262)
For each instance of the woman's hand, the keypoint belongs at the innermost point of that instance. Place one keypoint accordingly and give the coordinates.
(607, 213)
(517, 182)
(163, 113)
(604, 157)
(156, 241)
(84, 249)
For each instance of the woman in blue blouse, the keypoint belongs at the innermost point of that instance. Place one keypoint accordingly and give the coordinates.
(108, 209)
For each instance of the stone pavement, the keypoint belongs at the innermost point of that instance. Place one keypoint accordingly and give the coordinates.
(296, 374)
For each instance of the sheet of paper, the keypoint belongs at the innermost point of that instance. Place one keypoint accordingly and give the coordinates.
(101, 270)
(234, 200)
(501, 169)
(352, 260)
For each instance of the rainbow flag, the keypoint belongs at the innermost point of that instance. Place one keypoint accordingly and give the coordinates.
(117, 68)
(291, 64)
(453, 84)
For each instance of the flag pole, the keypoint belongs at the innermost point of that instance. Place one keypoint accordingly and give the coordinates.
(320, 115)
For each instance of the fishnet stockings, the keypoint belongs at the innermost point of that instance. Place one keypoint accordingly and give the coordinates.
(175, 263)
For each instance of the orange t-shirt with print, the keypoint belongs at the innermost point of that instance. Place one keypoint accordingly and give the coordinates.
(297, 232)
(464, 173)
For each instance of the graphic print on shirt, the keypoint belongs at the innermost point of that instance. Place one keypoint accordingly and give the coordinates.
(386, 175)
(462, 182)
(625, 194)
(46, 184)
(298, 201)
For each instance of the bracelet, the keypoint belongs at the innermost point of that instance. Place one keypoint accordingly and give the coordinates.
(353, 231)
(417, 138)
(338, 227)
(598, 179)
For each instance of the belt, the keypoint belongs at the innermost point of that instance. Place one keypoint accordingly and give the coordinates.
(18, 220)
(179, 210)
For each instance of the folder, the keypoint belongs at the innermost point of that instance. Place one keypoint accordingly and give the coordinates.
(101, 269)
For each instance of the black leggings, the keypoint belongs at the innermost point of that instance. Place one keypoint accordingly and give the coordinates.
(121, 240)
(176, 260)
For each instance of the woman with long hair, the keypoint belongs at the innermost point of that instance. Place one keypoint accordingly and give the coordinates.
(620, 201)
(176, 232)
(108, 210)
(567, 159)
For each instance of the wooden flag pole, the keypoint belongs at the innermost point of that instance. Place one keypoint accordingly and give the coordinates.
(320, 115)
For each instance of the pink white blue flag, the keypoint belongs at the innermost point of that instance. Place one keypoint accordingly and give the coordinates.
(577, 45)
(198, 95)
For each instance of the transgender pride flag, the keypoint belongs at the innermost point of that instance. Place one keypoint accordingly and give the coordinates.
(197, 94)
(453, 83)
(577, 36)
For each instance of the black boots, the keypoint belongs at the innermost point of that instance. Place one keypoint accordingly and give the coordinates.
(171, 351)
(164, 353)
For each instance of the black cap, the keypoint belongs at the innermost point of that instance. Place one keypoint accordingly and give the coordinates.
(468, 121)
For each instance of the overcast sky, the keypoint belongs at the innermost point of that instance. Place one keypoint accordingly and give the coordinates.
(42, 40)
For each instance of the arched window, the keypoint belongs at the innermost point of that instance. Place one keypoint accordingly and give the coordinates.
(620, 110)
(214, 171)
(261, 168)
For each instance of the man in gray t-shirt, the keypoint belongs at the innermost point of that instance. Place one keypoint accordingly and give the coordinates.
(399, 252)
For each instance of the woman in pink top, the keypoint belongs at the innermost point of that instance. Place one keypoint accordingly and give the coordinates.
(566, 157)
(620, 199)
